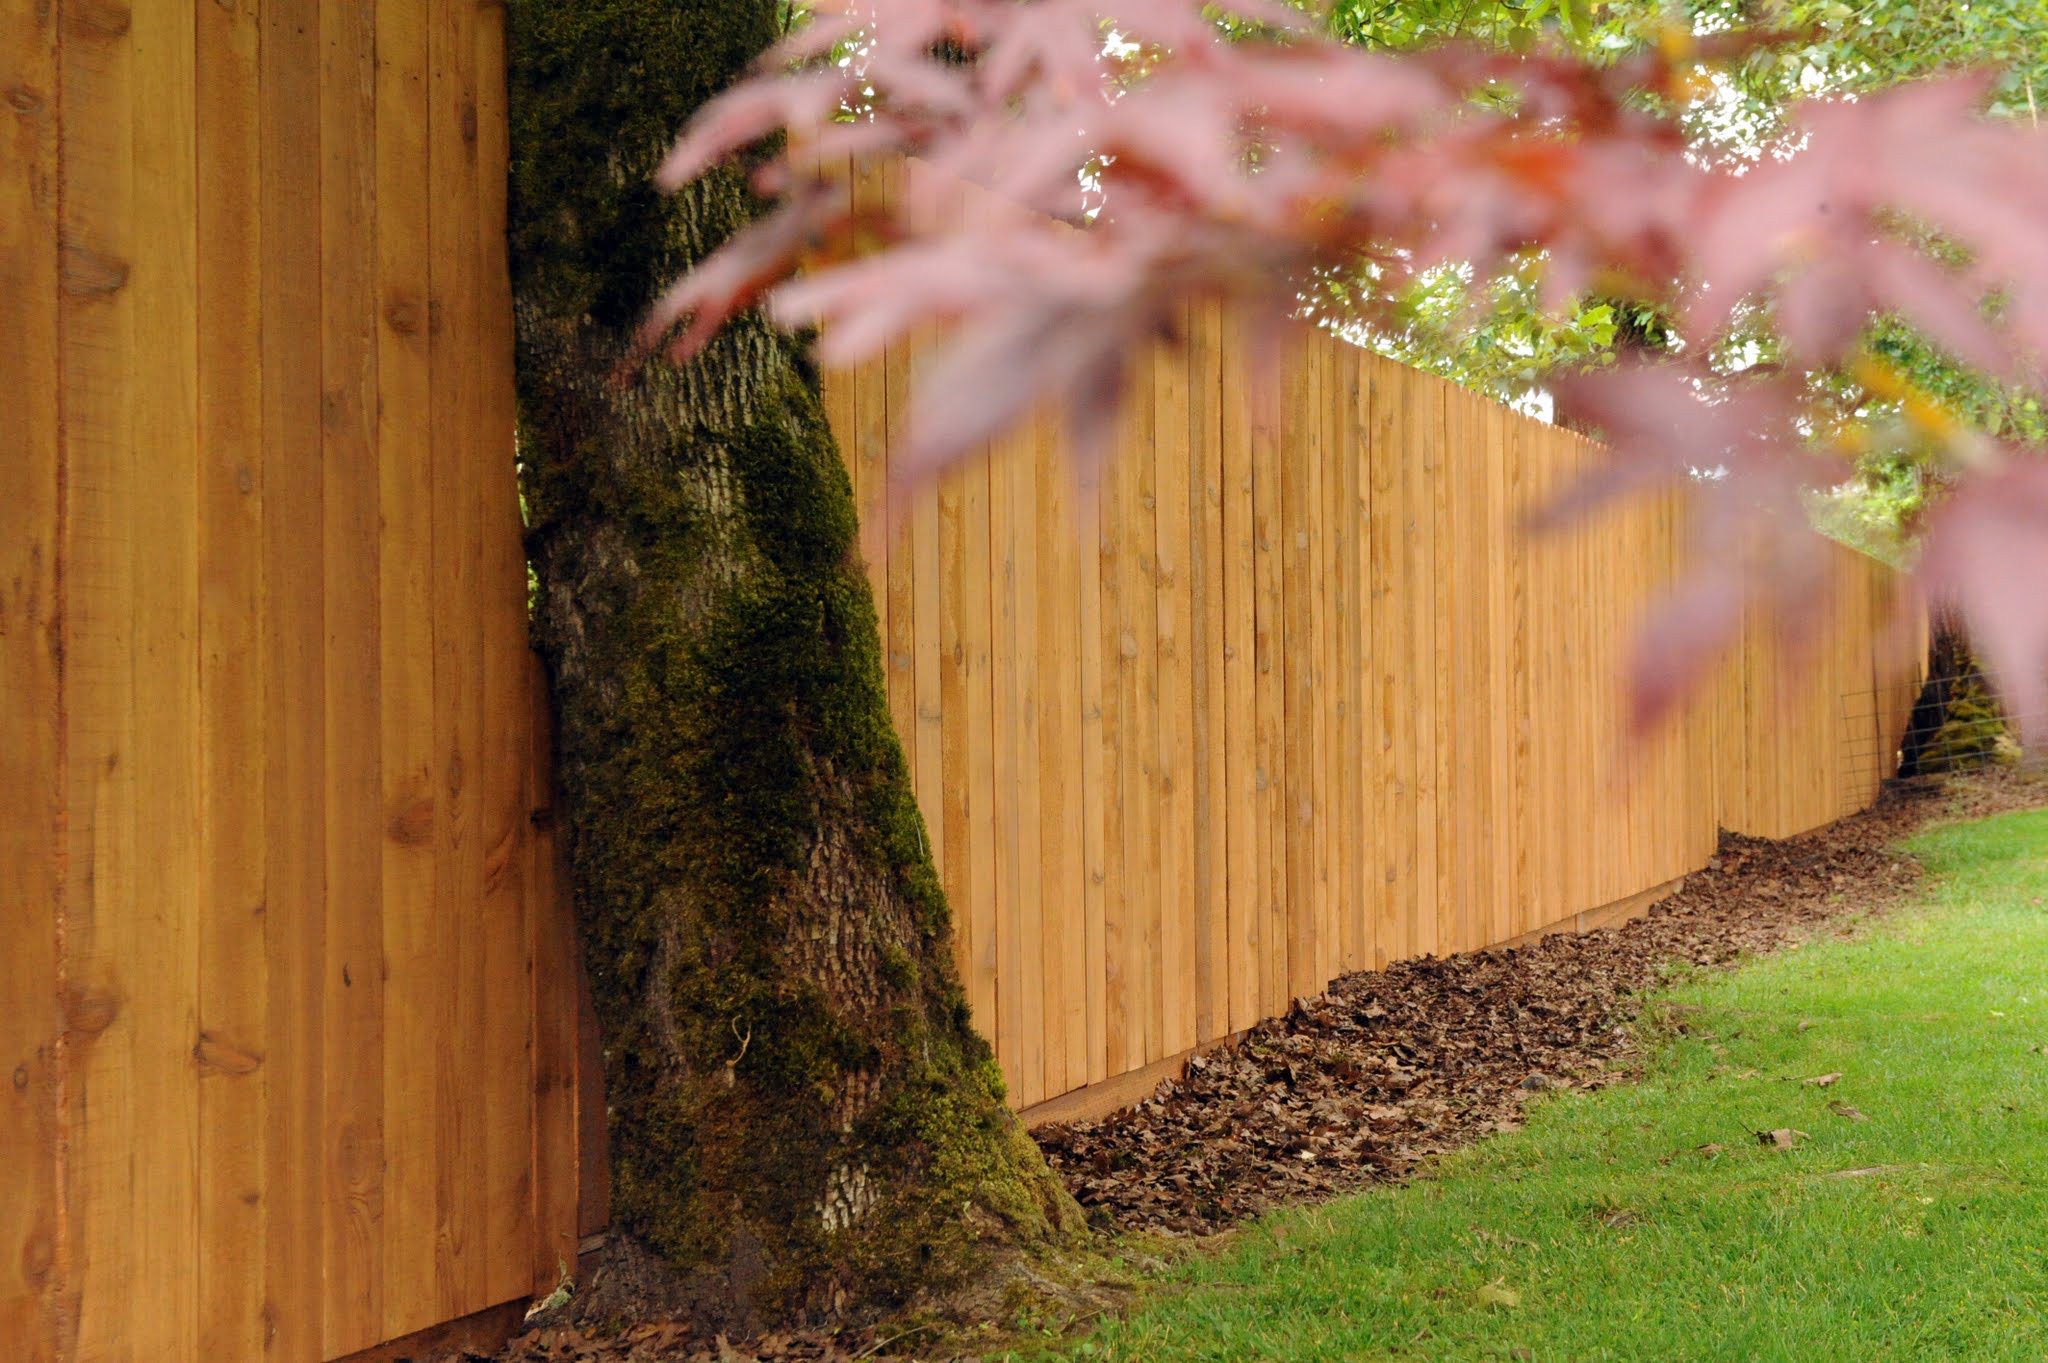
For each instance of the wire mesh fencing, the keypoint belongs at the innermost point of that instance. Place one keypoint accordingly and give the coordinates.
(1898, 734)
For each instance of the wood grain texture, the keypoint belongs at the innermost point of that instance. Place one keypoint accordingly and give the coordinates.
(507, 902)
(31, 757)
(99, 235)
(406, 589)
(1244, 925)
(294, 666)
(1269, 731)
(1138, 700)
(352, 1010)
(233, 964)
(1173, 701)
(263, 501)
(1282, 691)
(1062, 894)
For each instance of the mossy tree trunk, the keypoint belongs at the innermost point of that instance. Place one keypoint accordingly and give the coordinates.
(802, 1116)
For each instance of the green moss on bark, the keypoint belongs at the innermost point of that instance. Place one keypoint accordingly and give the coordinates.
(802, 1115)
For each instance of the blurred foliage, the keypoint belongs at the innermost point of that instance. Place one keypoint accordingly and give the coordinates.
(1844, 48)
(1398, 24)
(1896, 475)
(1499, 337)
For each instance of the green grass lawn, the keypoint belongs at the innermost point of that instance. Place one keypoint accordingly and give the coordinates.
(1648, 1222)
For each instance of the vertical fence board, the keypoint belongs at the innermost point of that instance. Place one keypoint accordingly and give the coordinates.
(1122, 1046)
(955, 872)
(1138, 693)
(1007, 922)
(899, 610)
(352, 1012)
(1268, 633)
(1059, 881)
(233, 972)
(1295, 666)
(926, 743)
(406, 589)
(1523, 719)
(1503, 710)
(1348, 779)
(1393, 878)
(294, 681)
(1094, 797)
(978, 838)
(507, 900)
(257, 265)
(869, 454)
(1322, 961)
(1464, 693)
(1244, 918)
(31, 758)
(101, 859)
(1363, 892)
(1423, 468)
(1013, 537)
(460, 1259)
(1206, 647)
(1174, 701)
(163, 365)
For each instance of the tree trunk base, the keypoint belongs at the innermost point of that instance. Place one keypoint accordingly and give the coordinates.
(804, 1123)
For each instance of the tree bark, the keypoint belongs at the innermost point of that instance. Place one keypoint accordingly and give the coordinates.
(803, 1119)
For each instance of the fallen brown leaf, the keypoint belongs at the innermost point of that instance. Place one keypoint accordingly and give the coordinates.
(1841, 1109)
(1822, 1081)
(1493, 1294)
(1781, 1138)
(1393, 1067)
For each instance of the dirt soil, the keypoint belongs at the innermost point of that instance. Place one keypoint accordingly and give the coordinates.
(1392, 1067)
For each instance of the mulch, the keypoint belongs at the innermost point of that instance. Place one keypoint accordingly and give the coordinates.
(1392, 1067)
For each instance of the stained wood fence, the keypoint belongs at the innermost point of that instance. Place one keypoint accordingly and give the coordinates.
(1289, 694)
(287, 1008)
(288, 1019)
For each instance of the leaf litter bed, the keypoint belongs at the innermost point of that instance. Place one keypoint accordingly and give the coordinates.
(1391, 1067)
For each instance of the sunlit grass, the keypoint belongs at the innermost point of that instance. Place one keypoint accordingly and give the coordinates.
(1648, 1221)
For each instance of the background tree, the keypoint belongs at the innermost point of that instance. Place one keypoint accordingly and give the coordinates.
(1499, 337)
(802, 1116)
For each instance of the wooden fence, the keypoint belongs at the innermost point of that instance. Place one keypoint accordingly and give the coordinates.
(288, 1021)
(279, 1075)
(1289, 695)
